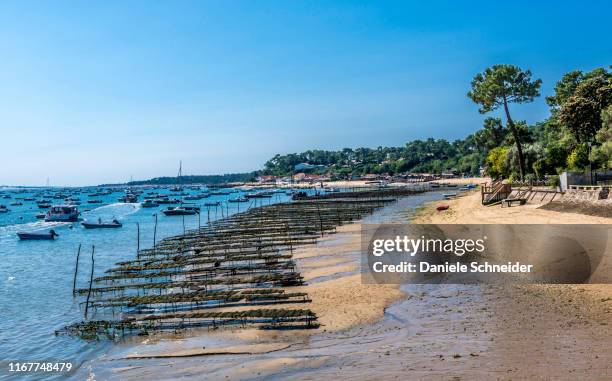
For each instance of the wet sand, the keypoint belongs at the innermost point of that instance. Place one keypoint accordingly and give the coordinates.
(416, 332)
(551, 331)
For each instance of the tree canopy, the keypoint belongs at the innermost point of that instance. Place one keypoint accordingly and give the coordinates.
(582, 101)
(500, 85)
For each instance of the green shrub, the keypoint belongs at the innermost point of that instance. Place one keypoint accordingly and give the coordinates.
(496, 162)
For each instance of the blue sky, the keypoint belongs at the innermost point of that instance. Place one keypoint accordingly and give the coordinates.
(96, 92)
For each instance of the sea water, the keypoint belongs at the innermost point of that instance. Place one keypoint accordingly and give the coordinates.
(36, 277)
(334, 347)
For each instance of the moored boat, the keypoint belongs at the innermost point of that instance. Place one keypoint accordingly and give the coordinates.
(129, 198)
(331, 190)
(102, 225)
(183, 210)
(166, 200)
(50, 235)
(262, 194)
(238, 199)
(149, 204)
(62, 213)
(299, 195)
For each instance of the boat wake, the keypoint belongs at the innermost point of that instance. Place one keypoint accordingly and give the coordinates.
(115, 211)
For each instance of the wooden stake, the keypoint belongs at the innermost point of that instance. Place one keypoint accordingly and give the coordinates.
(93, 248)
(320, 219)
(155, 229)
(76, 269)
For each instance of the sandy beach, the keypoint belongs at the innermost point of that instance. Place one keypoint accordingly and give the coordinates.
(581, 313)
(468, 209)
(412, 332)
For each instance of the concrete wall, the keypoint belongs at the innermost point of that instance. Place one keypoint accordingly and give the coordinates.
(573, 178)
(578, 178)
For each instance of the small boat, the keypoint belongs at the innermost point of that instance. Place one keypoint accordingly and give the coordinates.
(239, 199)
(449, 195)
(299, 195)
(129, 198)
(16, 204)
(40, 216)
(216, 203)
(167, 201)
(102, 225)
(181, 210)
(434, 185)
(440, 208)
(262, 194)
(62, 213)
(149, 204)
(4, 209)
(50, 235)
(44, 206)
(94, 201)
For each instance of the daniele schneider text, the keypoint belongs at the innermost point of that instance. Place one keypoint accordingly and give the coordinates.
(458, 247)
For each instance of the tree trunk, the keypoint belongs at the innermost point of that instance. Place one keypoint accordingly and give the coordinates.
(517, 140)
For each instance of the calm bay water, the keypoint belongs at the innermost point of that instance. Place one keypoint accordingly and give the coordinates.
(36, 276)
(336, 345)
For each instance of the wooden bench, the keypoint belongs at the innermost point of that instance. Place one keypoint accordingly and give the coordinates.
(510, 201)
